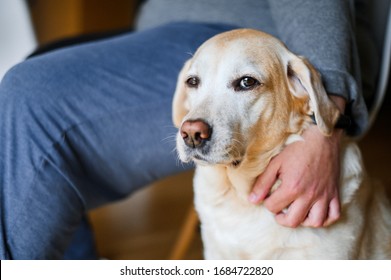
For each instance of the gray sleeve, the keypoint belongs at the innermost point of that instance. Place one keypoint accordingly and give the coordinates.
(323, 32)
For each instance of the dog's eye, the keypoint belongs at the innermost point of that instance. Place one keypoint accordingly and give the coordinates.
(193, 82)
(246, 83)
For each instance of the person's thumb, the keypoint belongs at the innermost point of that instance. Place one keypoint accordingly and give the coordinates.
(264, 182)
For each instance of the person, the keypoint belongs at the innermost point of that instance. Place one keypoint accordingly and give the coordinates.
(83, 126)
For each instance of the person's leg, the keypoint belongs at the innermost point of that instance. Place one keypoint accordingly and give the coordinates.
(82, 244)
(84, 126)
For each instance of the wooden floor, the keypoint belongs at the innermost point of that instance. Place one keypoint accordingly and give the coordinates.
(146, 225)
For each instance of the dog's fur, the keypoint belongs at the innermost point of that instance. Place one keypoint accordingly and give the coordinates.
(249, 128)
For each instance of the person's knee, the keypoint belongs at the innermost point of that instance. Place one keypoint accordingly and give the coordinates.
(30, 120)
(29, 93)
(21, 87)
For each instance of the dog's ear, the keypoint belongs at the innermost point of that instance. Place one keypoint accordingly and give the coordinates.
(304, 80)
(180, 105)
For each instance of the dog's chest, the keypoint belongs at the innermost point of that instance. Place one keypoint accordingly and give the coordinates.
(233, 228)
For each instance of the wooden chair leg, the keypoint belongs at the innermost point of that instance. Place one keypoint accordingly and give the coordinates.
(186, 235)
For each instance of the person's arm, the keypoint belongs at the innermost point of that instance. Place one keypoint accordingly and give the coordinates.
(321, 31)
(309, 169)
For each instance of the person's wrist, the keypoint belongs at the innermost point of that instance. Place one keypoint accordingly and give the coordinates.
(339, 101)
(314, 132)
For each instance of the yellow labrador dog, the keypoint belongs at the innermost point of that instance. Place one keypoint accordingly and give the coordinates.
(238, 102)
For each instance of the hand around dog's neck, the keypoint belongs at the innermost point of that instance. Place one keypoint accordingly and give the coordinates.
(242, 177)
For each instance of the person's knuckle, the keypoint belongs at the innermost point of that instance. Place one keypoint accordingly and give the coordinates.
(292, 222)
(317, 223)
(335, 216)
(271, 207)
(294, 190)
(312, 193)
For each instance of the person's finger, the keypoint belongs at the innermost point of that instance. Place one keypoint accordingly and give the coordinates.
(281, 198)
(334, 212)
(317, 214)
(295, 214)
(264, 183)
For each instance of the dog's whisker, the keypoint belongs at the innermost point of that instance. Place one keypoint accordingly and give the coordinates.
(169, 126)
(174, 150)
(178, 161)
(237, 141)
(168, 139)
(238, 133)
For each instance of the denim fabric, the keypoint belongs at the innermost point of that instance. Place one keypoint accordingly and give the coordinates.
(84, 126)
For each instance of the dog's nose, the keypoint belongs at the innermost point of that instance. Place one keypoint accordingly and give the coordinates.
(195, 133)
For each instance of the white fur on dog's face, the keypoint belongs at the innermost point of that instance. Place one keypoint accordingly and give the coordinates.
(219, 101)
(212, 87)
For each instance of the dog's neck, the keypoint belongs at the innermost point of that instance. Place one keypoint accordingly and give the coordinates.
(242, 178)
(260, 153)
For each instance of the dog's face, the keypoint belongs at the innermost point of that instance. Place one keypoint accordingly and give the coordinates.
(244, 92)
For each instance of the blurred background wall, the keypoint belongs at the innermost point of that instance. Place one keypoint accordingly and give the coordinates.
(56, 19)
(17, 38)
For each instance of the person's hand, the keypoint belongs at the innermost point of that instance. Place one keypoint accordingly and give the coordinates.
(309, 174)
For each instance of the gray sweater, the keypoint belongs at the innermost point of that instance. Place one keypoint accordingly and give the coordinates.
(321, 30)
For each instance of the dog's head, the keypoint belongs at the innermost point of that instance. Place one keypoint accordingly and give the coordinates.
(243, 93)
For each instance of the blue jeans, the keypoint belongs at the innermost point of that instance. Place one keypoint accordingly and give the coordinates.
(84, 126)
